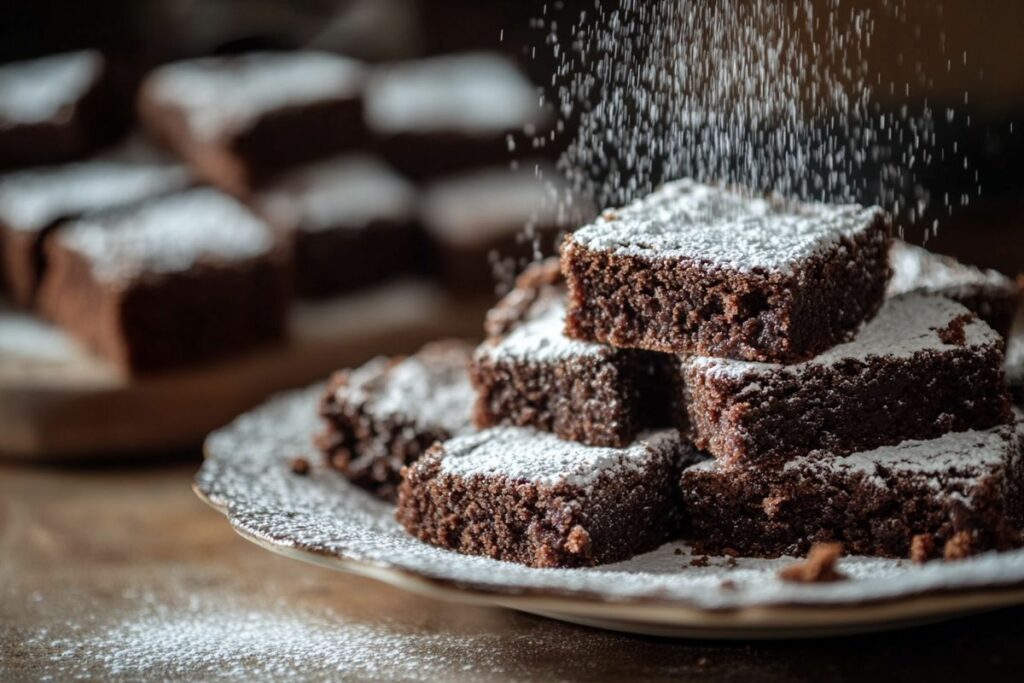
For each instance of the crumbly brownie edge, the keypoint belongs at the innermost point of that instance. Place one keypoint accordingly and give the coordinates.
(539, 525)
(847, 408)
(681, 306)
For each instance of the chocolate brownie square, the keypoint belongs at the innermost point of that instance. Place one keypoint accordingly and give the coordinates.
(385, 414)
(698, 269)
(241, 119)
(488, 223)
(925, 365)
(33, 202)
(525, 496)
(989, 293)
(173, 281)
(57, 108)
(447, 114)
(529, 374)
(962, 487)
(350, 222)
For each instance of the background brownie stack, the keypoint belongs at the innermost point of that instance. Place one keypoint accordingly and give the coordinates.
(817, 406)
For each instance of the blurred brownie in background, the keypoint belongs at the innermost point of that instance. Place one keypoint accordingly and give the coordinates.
(176, 280)
(240, 120)
(487, 223)
(350, 222)
(447, 114)
(57, 108)
(989, 293)
(35, 201)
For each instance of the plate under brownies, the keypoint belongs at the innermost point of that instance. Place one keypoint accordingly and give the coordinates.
(526, 496)
(384, 414)
(697, 269)
(925, 365)
(529, 374)
(963, 488)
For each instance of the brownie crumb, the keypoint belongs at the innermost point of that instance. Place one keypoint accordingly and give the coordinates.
(819, 567)
(958, 547)
(772, 504)
(922, 547)
(701, 561)
(677, 551)
(728, 585)
(300, 466)
(730, 552)
(731, 563)
(954, 333)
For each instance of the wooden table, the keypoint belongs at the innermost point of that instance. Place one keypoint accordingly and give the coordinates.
(121, 573)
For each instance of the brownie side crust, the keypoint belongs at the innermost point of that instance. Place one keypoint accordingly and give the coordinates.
(524, 496)
(908, 375)
(642, 277)
(384, 415)
(964, 486)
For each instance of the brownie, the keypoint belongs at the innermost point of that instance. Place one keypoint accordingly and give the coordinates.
(529, 374)
(486, 224)
(173, 281)
(925, 365)
(526, 496)
(962, 485)
(447, 114)
(57, 108)
(385, 414)
(1014, 366)
(350, 222)
(33, 202)
(241, 119)
(989, 293)
(697, 269)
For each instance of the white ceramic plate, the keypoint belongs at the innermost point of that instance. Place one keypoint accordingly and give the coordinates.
(322, 519)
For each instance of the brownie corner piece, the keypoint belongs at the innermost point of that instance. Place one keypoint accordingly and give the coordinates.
(525, 496)
(925, 365)
(697, 269)
(383, 415)
(962, 488)
(174, 281)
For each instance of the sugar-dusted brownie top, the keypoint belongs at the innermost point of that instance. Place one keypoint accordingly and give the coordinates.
(904, 326)
(168, 235)
(350, 191)
(539, 337)
(221, 96)
(917, 269)
(467, 94)
(39, 90)
(429, 389)
(526, 455)
(724, 228)
(33, 200)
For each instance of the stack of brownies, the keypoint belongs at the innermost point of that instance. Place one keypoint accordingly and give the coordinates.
(701, 364)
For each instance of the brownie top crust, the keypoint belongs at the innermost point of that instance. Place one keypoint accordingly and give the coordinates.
(725, 229)
(917, 269)
(472, 93)
(220, 96)
(905, 325)
(540, 337)
(34, 199)
(37, 90)
(431, 389)
(527, 455)
(345, 192)
(476, 207)
(168, 235)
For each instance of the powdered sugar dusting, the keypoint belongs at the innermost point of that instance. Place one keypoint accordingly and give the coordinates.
(719, 226)
(480, 93)
(36, 90)
(32, 200)
(917, 269)
(905, 325)
(541, 338)
(222, 95)
(345, 192)
(247, 472)
(538, 457)
(168, 235)
(431, 388)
